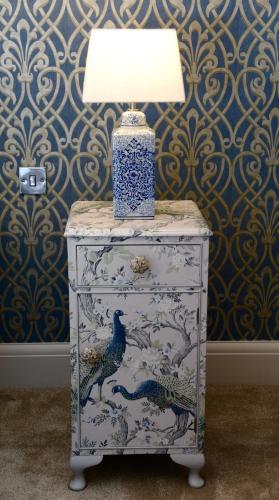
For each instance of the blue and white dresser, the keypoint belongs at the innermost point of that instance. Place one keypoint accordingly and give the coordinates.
(138, 304)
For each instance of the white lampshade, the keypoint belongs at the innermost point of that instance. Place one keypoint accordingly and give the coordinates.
(133, 65)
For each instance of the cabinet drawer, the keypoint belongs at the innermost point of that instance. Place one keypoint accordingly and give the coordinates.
(172, 265)
(138, 366)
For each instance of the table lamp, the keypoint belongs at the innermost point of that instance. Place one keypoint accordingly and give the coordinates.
(133, 66)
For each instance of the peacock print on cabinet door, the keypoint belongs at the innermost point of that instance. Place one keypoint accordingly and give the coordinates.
(137, 371)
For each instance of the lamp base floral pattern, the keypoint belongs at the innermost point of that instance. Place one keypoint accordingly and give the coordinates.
(133, 147)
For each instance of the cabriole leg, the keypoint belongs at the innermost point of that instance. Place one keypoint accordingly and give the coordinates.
(195, 463)
(78, 464)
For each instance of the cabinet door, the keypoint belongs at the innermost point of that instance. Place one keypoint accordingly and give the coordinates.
(139, 352)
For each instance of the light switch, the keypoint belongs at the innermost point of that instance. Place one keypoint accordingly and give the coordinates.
(32, 180)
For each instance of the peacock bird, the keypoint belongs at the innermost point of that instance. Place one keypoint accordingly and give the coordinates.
(165, 392)
(111, 353)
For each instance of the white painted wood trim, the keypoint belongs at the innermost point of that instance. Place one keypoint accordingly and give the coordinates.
(243, 362)
(35, 349)
(35, 365)
(242, 347)
(47, 365)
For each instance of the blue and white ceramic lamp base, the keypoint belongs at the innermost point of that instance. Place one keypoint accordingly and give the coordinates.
(133, 152)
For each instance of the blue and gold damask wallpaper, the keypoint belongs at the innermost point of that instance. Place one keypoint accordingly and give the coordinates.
(221, 149)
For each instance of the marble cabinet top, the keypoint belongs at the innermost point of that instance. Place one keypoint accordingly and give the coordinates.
(172, 218)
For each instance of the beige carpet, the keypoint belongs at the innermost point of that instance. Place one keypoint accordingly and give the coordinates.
(242, 452)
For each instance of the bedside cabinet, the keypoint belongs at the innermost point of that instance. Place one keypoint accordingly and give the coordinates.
(138, 304)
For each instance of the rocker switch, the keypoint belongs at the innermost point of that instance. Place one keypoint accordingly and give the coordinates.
(32, 180)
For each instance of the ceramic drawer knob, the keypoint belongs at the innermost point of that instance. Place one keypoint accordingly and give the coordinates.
(139, 265)
(90, 356)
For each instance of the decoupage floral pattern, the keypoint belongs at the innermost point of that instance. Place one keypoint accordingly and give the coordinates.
(150, 398)
(172, 218)
(111, 265)
(162, 333)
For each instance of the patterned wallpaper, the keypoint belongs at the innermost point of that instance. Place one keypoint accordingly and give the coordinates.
(221, 149)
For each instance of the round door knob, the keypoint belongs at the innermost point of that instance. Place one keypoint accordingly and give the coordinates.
(139, 264)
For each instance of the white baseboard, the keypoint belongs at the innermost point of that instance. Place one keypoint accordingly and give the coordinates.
(47, 365)
(243, 362)
(35, 365)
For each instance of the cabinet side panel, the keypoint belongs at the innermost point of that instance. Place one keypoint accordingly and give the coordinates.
(203, 337)
(74, 344)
